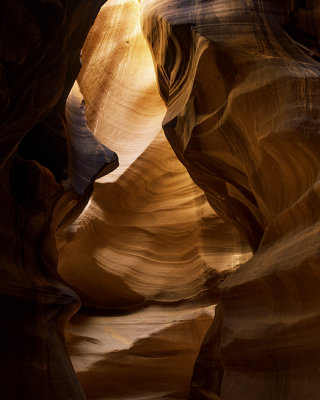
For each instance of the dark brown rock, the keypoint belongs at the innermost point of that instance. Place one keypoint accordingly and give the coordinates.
(241, 83)
(40, 44)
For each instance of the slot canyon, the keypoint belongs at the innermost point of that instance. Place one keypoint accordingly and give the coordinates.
(160, 199)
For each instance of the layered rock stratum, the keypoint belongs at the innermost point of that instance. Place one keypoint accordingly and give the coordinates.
(167, 311)
(241, 83)
(155, 249)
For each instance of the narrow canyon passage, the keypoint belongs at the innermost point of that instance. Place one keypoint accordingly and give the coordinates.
(148, 252)
(159, 207)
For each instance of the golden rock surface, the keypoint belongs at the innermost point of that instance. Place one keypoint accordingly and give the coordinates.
(148, 244)
(197, 260)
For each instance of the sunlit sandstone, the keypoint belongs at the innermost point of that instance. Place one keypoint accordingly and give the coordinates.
(149, 235)
(239, 87)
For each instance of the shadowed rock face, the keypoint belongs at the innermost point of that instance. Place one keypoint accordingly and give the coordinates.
(240, 80)
(148, 245)
(217, 62)
(241, 83)
(149, 234)
(40, 159)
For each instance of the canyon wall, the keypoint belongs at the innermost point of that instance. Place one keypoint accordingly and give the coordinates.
(167, 313)
(41, 158)
(148, 247)
(241, 83)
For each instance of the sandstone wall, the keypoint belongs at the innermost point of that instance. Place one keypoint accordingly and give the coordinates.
(157, 243)
(241, 83)
(148, 243)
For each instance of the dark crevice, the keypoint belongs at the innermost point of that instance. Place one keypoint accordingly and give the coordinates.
(304, 34)
(44, 145)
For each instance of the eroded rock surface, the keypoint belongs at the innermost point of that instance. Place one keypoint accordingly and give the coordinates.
(40, 45)
(147, 230)
(148, 237)
(241, 83)
(240, 80)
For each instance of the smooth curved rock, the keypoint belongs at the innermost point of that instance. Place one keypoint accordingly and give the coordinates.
(148, 238)
(216, 63)
(241, 82)
(148, 232)
(40, 44)
(240, 79)
(147, 354)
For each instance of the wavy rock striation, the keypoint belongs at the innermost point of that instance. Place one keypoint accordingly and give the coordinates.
(147, 230)
(148, 354)
(241, 83)
(148, 238)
